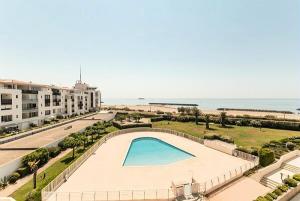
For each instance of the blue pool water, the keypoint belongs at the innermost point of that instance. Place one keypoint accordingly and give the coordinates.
(152, 151)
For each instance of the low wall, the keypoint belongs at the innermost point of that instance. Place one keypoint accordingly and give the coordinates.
(267, 170)
(10, 167)
(220, 146)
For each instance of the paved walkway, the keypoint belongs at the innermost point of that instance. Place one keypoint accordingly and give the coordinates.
(12, 188)
(46, 137)
(244, 189)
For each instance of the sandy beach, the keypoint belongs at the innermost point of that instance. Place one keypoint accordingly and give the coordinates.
(173, 109)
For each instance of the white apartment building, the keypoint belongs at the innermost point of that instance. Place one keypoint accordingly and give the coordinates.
(25, 103)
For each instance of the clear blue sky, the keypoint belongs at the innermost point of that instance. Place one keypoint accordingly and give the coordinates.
(156, 48)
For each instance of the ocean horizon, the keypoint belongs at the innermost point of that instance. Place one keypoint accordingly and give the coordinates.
(214, 103)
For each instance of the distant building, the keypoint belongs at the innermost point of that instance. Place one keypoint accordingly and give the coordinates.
(25, 103)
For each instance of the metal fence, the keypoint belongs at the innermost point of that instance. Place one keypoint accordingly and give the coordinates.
(162, 194)
(49, 194)
(228, 176)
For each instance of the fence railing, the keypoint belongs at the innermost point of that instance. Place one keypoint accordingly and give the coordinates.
(162, 194)
(228, 176)
(49, 194)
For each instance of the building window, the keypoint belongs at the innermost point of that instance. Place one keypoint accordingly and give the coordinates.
(54, 111)
(6, 118)
(17, 106)
(16, 96)
(47, 112)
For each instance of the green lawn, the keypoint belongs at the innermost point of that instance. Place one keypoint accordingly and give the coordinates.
(243, 136)
(51, 172)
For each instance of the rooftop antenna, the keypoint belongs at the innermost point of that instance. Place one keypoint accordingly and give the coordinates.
(80, 73)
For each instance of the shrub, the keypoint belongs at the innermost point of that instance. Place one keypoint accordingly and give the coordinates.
(296, 177)
(13, 178)
(290, 145)
(62, 145)
(54, 151)
(283, 188)
(268, 197)
(223, 138)
(3, 183)
(41, 155)
(266, 157)
(132, 125)
(34, 195)
(260, 198)
(278, 192)
(273, 195)
(252, 151)
(290, 182)
(23, 171)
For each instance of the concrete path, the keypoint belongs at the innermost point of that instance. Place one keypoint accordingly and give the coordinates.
(244, 189)
(12, 188)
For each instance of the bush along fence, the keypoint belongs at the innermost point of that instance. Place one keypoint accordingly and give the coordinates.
(243, 121)
(290, 188)
(42, 155)
(48, 193)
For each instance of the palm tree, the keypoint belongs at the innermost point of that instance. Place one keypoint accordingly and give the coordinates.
(196, 112)
(223, 118)
(207, 119)
(33, 165)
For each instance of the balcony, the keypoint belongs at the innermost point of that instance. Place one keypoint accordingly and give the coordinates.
(6, 101)
(27, 91)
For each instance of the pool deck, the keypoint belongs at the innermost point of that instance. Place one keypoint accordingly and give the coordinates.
(103, 171)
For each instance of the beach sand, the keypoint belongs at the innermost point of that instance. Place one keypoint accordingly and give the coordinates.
(173, 109)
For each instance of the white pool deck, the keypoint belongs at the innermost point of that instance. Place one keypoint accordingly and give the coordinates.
(103, 171)
(276, 176)
(280, 174)
(295, 162)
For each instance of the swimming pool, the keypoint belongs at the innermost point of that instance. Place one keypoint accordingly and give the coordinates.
(152, 151)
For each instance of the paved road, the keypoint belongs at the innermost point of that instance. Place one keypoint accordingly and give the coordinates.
(47, 137)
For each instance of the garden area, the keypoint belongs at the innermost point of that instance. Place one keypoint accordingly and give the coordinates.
(242, 135)
(78, 142)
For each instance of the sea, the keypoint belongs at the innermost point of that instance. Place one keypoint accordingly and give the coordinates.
(267, 104)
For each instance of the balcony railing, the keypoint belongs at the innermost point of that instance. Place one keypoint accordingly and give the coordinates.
(27, 91)
(6, 101)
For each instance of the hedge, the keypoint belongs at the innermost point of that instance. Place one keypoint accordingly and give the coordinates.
(13, 177)
(223, 138)
(23, 171)
(132, 125)
(41, 155)
(241, 121)
(290, 182)
(266, 157)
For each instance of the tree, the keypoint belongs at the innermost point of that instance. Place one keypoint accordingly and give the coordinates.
(207, 120)
(121, 117)
(196, 113)
(73, 143)
(181, 110)
(223, 117)
(33, 165)
(136, 117)
(188, 110)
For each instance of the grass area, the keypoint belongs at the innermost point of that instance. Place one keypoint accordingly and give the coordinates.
(243, 136)
(51, 172)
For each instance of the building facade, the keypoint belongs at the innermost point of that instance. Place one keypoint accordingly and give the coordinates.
(24, 104)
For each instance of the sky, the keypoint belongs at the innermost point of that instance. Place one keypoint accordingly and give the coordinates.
(155, 48)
